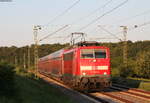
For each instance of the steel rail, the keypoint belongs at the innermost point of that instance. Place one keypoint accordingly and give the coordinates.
(133, 89)
(132, 93)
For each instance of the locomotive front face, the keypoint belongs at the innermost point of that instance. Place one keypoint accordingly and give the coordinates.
(94, 67)
(94, 62)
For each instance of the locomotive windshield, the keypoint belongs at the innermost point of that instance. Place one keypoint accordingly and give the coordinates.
(93, 53)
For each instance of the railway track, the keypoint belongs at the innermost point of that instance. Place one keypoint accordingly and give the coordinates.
(114, 94)
(136, 92)
(124, 95)
(129, 95)
(110, 98)
(131, 89)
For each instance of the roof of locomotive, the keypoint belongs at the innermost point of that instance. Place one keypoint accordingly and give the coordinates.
(84, 44)
(87, 43)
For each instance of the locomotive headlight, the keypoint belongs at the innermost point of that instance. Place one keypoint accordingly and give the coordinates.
(105, 73)
(94, 60)
(84, 73)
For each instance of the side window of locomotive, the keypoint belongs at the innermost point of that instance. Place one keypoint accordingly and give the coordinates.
(100, 53)
(87, 53)
(68, 56)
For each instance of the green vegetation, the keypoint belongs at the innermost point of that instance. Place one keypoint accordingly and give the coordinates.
(133, 82)
(138, 59)
(28, 89)
(15, 55)
(141, 79)
(7, 83)
(138, 64)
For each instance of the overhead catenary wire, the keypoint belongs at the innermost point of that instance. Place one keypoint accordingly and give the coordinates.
(103, 15)
(100, 38)
(53, 33)
(63, 13)
(120, 32)
(88, 16)
(134, 16)
(75, 38)
(72, 7)
(138, 26)
(109, 32)
(121, 4)
(58, 37)
(129, 29)
(91, 13)
(67, 37)
(114, 34)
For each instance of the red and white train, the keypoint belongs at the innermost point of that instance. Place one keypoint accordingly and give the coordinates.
(84, 66)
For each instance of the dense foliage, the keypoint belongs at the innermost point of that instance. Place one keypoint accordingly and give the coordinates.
(7, 73)
(138, 57)
(23, 87)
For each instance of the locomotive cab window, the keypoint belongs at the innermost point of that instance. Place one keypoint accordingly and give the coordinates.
(93, 53)
(87, 53)
(100, 53)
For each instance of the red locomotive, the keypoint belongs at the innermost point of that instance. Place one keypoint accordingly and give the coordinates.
(85, 66)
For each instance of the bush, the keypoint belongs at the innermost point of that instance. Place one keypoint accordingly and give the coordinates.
(115, 72)
(126, 71)
(21, 70)
(143, 65)
(7, 85)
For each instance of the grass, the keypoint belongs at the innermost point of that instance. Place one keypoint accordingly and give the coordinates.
(133, 82)
(30, 90)
(141, 79)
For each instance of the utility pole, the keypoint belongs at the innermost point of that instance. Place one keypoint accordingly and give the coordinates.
(77, 33)
(36, 41)
(125, 49)
(35, 32)
(28, 57)
(16, 61)
(24, 61)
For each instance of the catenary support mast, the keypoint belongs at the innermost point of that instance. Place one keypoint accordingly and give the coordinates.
(35, 32)
(125, 49)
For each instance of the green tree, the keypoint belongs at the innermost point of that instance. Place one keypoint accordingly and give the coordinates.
(143, 64)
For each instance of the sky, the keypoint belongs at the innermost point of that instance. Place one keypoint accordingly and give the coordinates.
(18, 17)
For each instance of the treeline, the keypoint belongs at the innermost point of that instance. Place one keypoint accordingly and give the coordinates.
(138, 57)
(7, 82)
(138, 64)
(24, 56)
